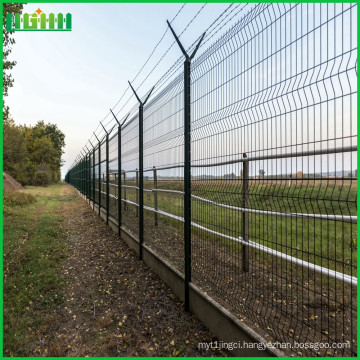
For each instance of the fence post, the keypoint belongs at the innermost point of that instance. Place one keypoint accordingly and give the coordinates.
(245, 214)
(88, 177)
(125, 203)
(187, 161)
(79, 174)
(88, 174)
(137, 191)
(119, 169)
(99, 177)
(93, 182)
(82, 174)
(92, 166)
(107, 181)
(155, 197)
(119, 180)
(85, 176)
(141, 168)
(107, 173)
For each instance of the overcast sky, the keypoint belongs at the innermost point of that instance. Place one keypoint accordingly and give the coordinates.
(73, 78)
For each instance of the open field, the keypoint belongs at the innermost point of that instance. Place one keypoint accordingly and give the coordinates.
(328, 243)
(273, 291)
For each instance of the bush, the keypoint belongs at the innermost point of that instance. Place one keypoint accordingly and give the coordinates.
(17, 198)
(41, 179)
(23, 173)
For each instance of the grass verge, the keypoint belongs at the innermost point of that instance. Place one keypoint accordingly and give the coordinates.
(34, 248)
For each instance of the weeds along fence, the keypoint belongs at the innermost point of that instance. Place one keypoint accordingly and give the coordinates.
(241, 173)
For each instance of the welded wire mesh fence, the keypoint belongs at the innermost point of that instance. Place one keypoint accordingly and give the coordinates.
(273, 176)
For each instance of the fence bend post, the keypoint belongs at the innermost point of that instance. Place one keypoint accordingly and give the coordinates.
(141, 168)
(119, 169)
(187, 160)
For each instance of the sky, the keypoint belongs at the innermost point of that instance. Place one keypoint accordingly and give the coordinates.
(72, 78)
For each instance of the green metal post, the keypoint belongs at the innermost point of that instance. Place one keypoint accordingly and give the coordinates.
(245, 215)
(141, 169)
(119, 169)
(99, 177)
(187, 163)
(119, 180)
(107, 180)
(93, 185)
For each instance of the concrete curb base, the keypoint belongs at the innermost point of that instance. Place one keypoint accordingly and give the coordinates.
(227, 327)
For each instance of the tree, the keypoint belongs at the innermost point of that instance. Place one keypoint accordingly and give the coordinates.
(33, 154)
(13, 145)
(15, 156)
(230, 176)
(43, 151)
(8, 41)
(44, 144)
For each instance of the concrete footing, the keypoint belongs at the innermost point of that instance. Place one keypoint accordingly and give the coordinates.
(228, 328)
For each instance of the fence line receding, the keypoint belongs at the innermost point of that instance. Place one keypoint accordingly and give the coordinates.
(242, 173)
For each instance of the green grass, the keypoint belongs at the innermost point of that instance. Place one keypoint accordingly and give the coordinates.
(331, 244)
(34, 248)
(16, 198)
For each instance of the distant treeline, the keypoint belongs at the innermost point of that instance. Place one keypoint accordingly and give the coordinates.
(32, 154)
(299, 175)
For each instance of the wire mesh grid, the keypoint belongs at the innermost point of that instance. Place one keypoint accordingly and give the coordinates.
(164, 186)
(129, 184)
(273, 174)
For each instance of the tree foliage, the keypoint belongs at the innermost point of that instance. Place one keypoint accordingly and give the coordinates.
(32, 155)
(8, 41)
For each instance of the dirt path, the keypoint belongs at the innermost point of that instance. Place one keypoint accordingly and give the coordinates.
(114, 304)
